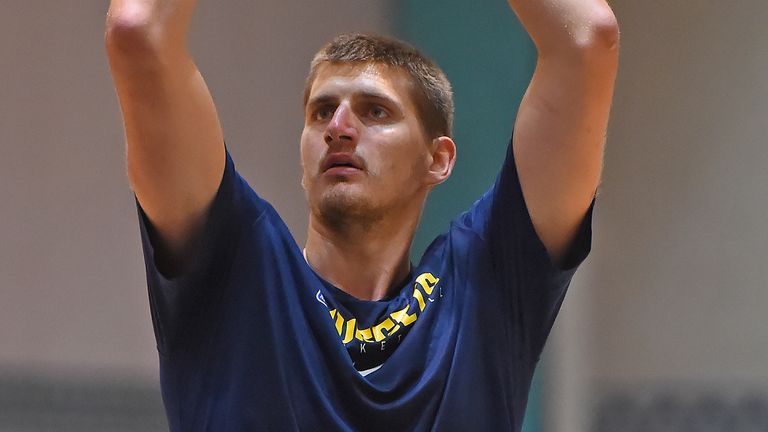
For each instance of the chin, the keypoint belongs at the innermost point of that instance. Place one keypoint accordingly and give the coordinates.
(342, 207)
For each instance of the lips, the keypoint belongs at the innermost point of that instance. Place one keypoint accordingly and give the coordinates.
(343, 160)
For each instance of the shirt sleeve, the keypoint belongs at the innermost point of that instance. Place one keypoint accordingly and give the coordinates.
(533, 283)
(181, 304)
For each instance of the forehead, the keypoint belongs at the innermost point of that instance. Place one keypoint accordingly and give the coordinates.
(346, 79)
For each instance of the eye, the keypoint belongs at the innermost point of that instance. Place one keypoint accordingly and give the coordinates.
(323, 112)
(378, 112)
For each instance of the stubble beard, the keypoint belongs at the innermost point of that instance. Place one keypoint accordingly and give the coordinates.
(345, 211)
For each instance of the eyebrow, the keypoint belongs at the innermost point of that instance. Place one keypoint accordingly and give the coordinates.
(365, 94)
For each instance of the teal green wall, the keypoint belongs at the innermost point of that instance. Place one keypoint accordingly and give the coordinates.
(489, 59)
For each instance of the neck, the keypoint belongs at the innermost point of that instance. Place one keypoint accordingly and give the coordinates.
(367, 261)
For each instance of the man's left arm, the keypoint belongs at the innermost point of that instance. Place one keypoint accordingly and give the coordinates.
(562, 121)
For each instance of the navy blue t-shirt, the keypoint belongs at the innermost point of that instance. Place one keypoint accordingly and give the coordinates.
(252, 339)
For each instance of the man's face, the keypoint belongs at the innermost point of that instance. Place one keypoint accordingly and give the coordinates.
(363, 151)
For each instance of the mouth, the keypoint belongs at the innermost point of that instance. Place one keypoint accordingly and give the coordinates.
(341, 163)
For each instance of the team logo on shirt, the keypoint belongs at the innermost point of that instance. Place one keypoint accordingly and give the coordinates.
(424, 293)
(370, 347)
(319, 296)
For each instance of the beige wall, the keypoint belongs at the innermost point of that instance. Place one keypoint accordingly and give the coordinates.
(72, 288)
(676, 292)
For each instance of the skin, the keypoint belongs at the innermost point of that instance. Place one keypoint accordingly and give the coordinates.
(362, 221)
(561, 125)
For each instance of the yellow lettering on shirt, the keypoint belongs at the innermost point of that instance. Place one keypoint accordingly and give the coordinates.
(350, 331)
(420, 298)
(339, 323)
(378, 329)
(427, 281)
(364, 335)
(347, 328)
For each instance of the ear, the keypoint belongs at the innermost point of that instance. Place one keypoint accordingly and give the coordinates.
(442, 161)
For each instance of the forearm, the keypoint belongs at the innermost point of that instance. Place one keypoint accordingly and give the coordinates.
(558, 25)
(156, 23)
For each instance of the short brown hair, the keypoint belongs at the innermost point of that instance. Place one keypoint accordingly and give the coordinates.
(434, 98)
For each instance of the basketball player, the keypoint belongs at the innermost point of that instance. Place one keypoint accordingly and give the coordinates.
(257, 333)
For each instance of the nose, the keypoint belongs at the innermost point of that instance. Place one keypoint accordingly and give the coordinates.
(342, 127)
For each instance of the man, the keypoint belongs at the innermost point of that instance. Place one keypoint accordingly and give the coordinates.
(255, 333)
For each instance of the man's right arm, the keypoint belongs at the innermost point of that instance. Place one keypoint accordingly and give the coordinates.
(174, 141)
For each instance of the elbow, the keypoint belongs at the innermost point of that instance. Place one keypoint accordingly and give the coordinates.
(593, 36)
(129, 30)
(599, 34)
(606, 32)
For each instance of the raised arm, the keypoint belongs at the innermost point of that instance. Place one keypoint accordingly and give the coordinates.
(175, 147)
(562, 121)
